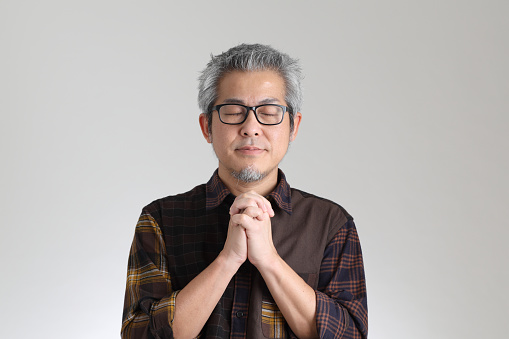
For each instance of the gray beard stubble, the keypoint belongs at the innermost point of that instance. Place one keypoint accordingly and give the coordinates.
(248, 175)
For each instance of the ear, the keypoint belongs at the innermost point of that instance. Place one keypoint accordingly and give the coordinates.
(204, 125)
(296, 123)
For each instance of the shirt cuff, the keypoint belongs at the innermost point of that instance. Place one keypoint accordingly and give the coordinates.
(171, 307)
(330, 317)
(162, 313)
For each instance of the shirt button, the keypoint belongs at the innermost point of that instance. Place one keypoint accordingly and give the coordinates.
(240, 314)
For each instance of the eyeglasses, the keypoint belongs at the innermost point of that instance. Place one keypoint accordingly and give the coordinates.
(235, 114)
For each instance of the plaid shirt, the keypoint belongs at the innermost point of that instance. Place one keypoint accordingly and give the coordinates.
(177, 237)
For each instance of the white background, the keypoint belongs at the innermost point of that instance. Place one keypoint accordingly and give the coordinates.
(405, 124)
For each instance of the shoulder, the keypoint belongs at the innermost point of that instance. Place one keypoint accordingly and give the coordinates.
(177, 204)
(311, 200)
(326, 211)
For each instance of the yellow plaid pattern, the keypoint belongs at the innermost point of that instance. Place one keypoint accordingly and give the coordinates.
(139, 274)
(273, 322)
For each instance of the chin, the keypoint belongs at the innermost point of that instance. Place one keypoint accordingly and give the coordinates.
(248, 174)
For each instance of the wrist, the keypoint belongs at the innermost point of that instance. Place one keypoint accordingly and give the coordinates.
(270, 264)
(229, 263)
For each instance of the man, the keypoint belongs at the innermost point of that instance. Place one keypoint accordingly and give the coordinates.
(245, 255)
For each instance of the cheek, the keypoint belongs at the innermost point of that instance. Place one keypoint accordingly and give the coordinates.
(280, 142)
(283, 135)
(222, 138)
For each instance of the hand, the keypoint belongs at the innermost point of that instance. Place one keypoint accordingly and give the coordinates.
(254, 212)
(235, 247)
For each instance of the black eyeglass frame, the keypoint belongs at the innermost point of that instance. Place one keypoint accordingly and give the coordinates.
(251, 108)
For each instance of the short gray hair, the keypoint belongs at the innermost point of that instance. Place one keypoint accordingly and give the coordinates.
(253, 57)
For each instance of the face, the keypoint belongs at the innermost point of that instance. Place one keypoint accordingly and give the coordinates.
(250, 145)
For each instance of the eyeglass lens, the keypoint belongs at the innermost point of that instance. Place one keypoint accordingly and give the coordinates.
(266, 114)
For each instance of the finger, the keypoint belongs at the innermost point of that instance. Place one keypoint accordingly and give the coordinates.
(256, 213)
(270, 211)
(242, 220)
(253, 212)
(267, 206)
(243, 202)
(263, 216)
(251, 199)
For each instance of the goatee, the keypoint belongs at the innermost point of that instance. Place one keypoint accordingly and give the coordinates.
(248, 175)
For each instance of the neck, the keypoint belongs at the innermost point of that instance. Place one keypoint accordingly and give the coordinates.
(238, 187)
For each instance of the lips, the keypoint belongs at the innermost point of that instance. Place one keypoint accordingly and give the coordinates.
(249, 148)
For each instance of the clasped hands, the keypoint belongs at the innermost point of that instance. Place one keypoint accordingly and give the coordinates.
(250, 231)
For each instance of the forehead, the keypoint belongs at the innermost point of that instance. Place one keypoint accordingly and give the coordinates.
(251, 86)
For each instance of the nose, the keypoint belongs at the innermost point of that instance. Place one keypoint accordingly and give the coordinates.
(250, 127)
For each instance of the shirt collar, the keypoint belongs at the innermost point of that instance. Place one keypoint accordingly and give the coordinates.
(216, 192)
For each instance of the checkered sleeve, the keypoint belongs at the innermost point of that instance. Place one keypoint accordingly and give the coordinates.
(341, 296)
(149, 303)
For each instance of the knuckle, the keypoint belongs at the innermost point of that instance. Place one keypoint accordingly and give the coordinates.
(250, 209)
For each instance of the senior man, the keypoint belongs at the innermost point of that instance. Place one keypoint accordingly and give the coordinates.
(245, 255)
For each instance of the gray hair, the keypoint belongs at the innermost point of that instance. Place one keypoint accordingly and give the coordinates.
(254, 57)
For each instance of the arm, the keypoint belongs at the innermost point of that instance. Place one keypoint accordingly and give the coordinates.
(339, 308)
(197, 300)
(149, 299)
(341, 296)
(295, 298)
(151, 307)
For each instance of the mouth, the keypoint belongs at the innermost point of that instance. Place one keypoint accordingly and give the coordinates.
(250, 150)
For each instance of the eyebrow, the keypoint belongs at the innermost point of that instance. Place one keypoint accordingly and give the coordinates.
(239, 101)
